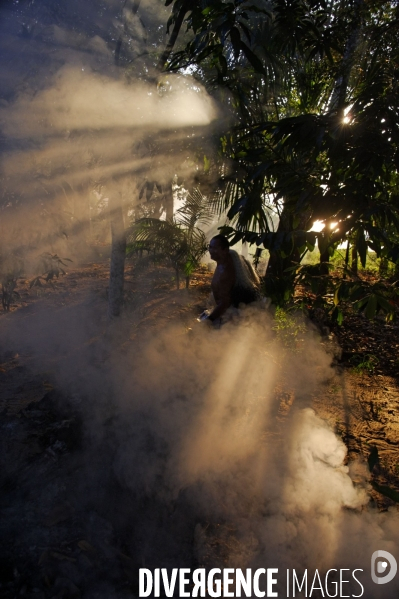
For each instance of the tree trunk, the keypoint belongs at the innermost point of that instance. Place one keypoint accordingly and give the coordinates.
(169, 201)
(324, 271)
(277, 264)
(348, 245)
(257, 257)
(354, 260)
(383, 270)
(175, 32)
(338, 97)
(118, 255)
(324, 243)
(278, 283)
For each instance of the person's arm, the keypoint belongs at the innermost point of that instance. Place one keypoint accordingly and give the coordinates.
(221, 307)
(223, 296)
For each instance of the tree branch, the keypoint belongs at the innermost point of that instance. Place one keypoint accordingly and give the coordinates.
(172, 40)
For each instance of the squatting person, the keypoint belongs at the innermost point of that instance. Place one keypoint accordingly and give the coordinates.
(234, 281)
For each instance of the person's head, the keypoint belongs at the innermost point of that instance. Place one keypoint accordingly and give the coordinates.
(218, 247)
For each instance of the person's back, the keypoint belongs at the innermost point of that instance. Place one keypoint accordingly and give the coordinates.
(246, 285)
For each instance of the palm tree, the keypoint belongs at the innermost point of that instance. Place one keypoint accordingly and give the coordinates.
(178, 241)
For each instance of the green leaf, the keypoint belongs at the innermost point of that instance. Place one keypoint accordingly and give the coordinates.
(252, 58)
(235, 41)
(371, 307)
(384, 304)
(361, 246)
(336, 296)
(142, 190)
(223, 64)
(359, 305)
(149, 190)
(337, 315)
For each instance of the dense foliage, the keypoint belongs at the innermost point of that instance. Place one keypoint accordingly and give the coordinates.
(311, 88)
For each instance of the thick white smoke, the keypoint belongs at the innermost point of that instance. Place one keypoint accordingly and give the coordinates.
(79, 99)
(191, 417)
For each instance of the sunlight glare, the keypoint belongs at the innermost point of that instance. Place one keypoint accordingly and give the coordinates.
(318, 226)
(347, 117)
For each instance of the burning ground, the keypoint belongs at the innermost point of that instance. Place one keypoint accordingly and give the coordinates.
(158, 443)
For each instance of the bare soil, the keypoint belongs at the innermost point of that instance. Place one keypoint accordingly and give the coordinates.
(59, 540)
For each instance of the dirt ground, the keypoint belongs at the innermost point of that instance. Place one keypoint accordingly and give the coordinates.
(60, 541)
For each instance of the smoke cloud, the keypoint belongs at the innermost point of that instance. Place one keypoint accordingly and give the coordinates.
(189, 423)
(81, 125)
(80, 100)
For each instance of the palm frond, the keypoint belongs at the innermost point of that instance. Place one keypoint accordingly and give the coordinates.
(196, 210)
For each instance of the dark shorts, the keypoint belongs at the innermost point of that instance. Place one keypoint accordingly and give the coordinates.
(244, 295)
